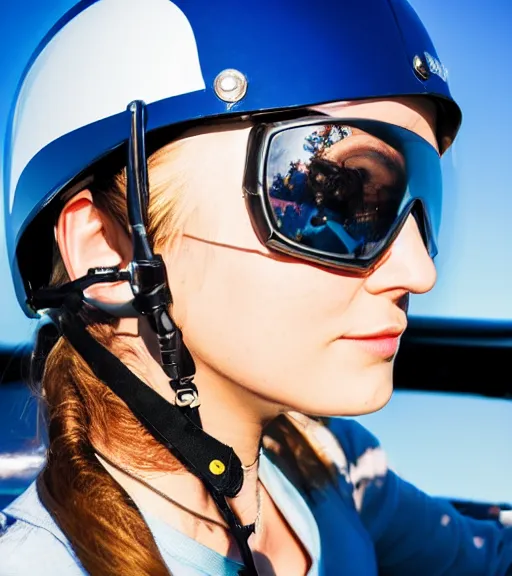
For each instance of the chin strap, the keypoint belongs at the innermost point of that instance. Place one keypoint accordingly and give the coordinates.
(149, 276)
(214, 463)
(54, 297)
(178, 427)
(152, 299)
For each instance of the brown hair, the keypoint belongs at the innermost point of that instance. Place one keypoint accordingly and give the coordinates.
(102, 523)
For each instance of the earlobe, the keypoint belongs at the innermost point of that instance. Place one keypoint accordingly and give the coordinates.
(88, 238)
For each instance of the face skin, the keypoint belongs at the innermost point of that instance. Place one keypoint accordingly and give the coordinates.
(268, 333)
(284, 329)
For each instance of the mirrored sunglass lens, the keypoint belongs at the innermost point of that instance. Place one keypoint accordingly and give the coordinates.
(335, 188)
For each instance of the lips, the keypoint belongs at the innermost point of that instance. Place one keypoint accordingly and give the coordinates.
(383, 344)
(391, 332)
(380, 347)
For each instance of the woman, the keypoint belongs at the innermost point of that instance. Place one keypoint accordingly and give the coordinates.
(187, 275)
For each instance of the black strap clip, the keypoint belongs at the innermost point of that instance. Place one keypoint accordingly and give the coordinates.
(55, 296)
(149, 285)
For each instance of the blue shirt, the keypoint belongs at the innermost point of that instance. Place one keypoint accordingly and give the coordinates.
(370, 523)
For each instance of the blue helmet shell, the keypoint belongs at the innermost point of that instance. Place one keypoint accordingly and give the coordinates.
(70, 108)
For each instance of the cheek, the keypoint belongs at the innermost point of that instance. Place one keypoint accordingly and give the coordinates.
(271, 327)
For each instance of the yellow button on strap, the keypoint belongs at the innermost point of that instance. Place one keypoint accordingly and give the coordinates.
(217, 467)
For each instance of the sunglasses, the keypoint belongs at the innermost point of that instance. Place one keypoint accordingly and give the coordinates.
(337, 192)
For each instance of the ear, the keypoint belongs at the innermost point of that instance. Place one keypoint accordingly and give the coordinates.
(88, 238)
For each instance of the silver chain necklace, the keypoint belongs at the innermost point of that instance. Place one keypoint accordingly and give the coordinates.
(257, 522)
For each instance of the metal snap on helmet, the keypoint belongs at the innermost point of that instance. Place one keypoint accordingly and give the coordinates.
(189, 61)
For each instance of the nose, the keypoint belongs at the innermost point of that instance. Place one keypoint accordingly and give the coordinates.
(407, 266)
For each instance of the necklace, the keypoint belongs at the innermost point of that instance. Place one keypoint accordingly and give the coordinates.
(251, 466)
(198, 515)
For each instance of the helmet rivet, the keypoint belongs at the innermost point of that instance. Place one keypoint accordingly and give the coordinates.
(421, 68)
(230, 85)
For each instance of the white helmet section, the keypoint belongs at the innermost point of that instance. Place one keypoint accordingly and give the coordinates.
(95, 66)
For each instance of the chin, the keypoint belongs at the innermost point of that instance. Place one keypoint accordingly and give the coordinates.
(366, 393)
(382, 395)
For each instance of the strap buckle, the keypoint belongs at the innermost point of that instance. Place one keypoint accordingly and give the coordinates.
(187, 398)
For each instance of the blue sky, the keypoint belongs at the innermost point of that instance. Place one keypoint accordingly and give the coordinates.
(474, 41)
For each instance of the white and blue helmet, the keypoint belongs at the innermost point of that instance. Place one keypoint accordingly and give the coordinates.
(188, 61)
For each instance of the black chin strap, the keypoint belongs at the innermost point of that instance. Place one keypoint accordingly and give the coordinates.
(152, 299)
(53, 297)
(149, 276)
(177, 427)
(214, 463)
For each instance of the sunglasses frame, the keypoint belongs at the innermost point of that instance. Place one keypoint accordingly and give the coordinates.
(260, 211)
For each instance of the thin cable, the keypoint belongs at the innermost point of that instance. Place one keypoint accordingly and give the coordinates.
(182, 507)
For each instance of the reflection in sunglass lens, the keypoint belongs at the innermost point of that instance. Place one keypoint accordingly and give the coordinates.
(334, 188)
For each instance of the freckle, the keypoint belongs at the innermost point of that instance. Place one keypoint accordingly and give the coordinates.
(445, 520)
(478, 542)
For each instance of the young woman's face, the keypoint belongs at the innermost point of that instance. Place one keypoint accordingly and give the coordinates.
(296, 335)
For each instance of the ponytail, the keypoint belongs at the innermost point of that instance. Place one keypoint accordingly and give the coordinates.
(105, 529)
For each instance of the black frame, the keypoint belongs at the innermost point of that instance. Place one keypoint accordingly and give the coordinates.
(260, 211)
